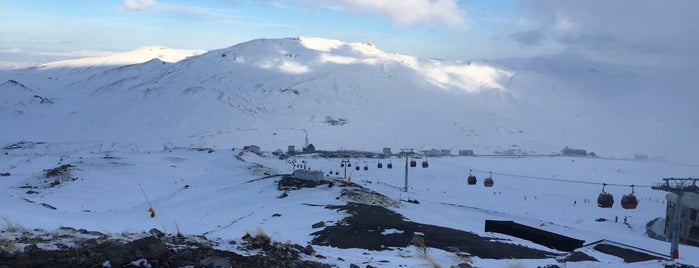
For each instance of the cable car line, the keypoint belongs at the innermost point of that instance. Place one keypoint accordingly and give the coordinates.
(535, 177)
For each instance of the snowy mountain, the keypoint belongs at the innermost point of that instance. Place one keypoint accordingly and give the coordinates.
(274, 92)
(94, 143)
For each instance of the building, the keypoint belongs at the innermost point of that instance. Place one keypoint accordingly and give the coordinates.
(309, 149)
(640, 157)
(387, 150)
(437, 152)
(252, 148)
(291, 150)
(573, 152)
(689, 220)
(465, 152)
(310, 175)
(432, 152)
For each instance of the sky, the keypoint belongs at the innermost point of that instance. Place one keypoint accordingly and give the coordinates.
(621, 31)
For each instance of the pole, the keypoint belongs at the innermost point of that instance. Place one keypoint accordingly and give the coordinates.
(407, 153)
(144, 195)
(344, 163)
(674, 248)
(405, 189)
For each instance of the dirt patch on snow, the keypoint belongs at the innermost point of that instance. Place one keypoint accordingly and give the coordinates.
(378, 228)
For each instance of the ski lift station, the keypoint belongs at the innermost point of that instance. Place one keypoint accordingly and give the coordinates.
(689, 220)
(309, 175)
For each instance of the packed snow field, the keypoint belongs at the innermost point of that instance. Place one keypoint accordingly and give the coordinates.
(220, 194)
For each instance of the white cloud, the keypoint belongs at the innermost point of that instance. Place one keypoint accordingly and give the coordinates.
(401, 12)
(78, 53)
(12, 50)
(61, 54)
(409, 12)
(622, 30)
(138, 4)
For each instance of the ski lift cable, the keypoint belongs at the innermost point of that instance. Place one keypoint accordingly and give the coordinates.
(457, 166)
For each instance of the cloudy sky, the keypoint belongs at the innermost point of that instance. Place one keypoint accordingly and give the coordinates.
(625, 31)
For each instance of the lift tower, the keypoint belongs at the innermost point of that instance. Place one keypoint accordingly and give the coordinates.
(407, 153)
(678, 187)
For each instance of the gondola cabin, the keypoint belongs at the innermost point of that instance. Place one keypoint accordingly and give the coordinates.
(605, 200)
(471, 180)
(413, 163)
(366, 167)
(389, 166)
(425, 164)
(379, 165)
(488, 182)
(629, 201)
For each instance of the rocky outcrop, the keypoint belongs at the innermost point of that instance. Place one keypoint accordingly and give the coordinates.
(152, 249)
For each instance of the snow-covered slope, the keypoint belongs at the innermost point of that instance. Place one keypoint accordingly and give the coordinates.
(274, 92)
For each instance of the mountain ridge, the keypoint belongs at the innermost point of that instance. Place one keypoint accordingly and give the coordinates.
(275, 92)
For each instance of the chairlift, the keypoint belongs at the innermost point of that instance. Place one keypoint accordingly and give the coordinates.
(413, 163)
(629, 201)
(605, 200)
(488, 182)
(471, 178)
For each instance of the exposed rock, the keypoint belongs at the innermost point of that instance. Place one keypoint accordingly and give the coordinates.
(216, 262)
(308, 250)
(154, 249)
(319, 224)
(157, 233)
(366, 225)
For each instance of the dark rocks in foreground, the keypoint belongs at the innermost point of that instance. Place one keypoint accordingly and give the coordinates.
(158, 250)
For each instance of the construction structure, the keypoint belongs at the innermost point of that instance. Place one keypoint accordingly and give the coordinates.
(689, 220)
(683, 199)
(309, 175)
(539, 236)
